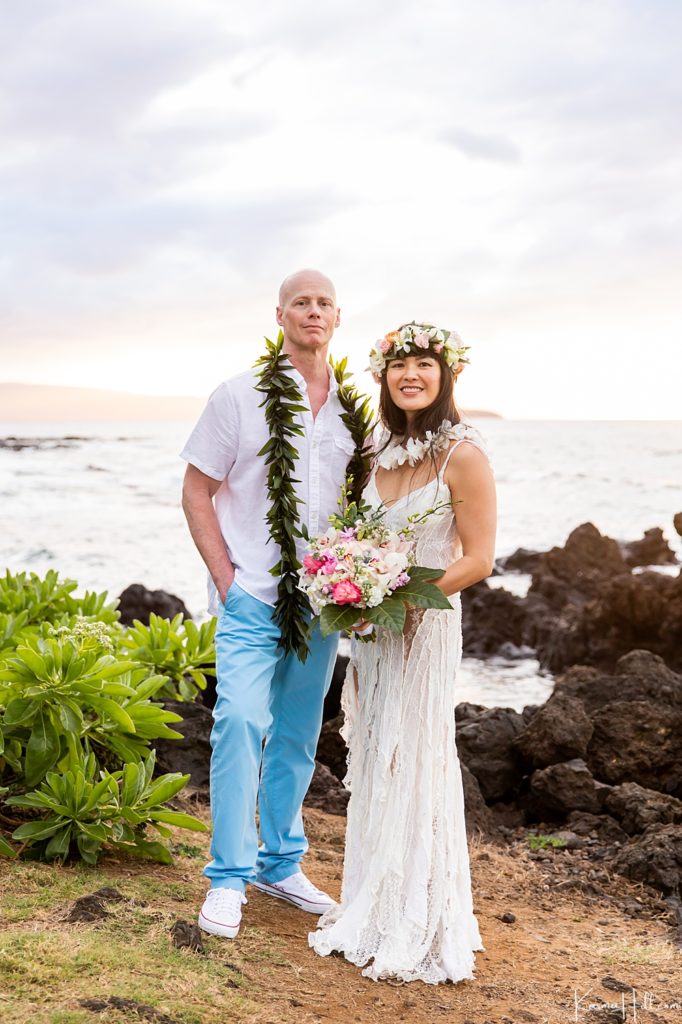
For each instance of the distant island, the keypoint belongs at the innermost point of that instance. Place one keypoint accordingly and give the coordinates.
(40, 402)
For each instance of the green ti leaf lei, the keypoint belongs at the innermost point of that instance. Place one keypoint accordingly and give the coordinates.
(282, 402)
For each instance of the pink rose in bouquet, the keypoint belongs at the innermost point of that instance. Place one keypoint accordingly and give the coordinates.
(346, 592)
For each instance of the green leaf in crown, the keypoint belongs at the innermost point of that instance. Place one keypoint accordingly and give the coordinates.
(282, 402)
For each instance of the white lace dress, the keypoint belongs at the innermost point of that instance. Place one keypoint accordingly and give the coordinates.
(406, 905)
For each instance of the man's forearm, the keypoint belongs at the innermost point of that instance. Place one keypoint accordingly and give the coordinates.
(205, 530)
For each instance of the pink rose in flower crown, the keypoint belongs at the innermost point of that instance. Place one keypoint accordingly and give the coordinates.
(346, 592)
(312, 564)
(422, 340)
(438, 347)
(383, 345)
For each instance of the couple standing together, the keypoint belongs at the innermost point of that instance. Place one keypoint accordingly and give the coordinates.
(406, 905)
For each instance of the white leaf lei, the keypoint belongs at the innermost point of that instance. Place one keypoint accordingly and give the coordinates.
(414, 450)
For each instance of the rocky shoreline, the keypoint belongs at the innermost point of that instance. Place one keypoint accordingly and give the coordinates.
(592, 777)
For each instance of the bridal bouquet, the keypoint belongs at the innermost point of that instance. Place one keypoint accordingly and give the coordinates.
(361, 569)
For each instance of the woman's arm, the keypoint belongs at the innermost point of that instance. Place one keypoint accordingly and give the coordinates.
(472, 486)
(197, 501)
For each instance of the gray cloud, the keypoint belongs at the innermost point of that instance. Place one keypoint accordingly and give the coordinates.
(481, 146)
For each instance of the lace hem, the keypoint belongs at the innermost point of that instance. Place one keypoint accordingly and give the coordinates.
(455, 965)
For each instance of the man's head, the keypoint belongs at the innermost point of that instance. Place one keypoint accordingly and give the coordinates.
(307, 310)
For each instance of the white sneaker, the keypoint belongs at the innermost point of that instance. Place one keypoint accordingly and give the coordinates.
(222, 912)
(300, 891)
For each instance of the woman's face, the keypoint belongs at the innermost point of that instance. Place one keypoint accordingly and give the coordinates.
(413, 382)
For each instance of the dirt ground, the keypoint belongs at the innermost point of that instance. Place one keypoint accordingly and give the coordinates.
(571, 932)
(547, 965)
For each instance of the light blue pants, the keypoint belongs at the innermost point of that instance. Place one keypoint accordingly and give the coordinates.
(262, 695)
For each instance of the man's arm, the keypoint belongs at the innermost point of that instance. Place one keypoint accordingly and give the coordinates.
(197, 502)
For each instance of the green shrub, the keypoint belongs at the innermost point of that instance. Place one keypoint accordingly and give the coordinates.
(77, 717)
(60, 695)
(179, 650)
(92, 808)
(51, 599)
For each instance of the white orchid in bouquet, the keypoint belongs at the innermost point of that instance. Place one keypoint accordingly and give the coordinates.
(360, 569)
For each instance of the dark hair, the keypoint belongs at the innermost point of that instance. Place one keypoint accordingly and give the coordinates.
(442, 408)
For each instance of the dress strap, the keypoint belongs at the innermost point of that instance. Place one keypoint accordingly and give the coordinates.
(441, 472)
(473, 436)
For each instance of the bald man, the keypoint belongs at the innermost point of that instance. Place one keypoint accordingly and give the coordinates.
(268, 712)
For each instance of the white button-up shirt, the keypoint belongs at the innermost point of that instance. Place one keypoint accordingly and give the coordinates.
(224, 445)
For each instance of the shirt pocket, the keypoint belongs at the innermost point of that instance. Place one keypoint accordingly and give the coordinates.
(343, 450)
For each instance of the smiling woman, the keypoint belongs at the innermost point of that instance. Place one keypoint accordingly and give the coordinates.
(406, 903)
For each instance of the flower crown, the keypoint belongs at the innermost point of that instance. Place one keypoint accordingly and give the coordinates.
(413, 337)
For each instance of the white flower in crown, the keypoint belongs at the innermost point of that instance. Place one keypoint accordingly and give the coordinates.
(415, 337)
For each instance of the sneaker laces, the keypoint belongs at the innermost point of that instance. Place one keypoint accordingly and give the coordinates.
(226, 899)
(301, 885)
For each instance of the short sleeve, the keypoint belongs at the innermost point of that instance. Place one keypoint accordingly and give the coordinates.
(213, 444)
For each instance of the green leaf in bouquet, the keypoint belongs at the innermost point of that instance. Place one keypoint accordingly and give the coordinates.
(423, 595)
(390, 614)
(424, 574)
(334, 617)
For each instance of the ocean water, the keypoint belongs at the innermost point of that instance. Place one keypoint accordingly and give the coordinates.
(105, 508)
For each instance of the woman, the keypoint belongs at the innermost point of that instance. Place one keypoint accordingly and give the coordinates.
(406, 905)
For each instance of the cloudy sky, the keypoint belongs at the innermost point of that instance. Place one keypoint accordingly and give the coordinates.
(509, 168)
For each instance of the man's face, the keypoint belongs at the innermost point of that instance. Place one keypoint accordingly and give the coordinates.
(308, 312)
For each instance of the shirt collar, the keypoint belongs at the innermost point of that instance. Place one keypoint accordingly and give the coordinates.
(300, 379)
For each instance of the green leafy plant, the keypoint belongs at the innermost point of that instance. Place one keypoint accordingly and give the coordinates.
(50, 599)
(540, 842)
(179, 650)
(31, 606)
(59, 695)
(79, 711)
(90, 808)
